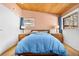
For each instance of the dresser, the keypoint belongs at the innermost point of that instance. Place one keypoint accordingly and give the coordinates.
(59, 36)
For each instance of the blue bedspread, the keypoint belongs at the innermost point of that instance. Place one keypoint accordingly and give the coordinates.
(40, 43)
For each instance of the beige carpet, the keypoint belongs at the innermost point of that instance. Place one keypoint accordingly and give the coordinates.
(70, 50)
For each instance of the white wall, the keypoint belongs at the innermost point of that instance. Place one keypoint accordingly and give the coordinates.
(14, 8)
(42, 20)
(9, 28)
(71, 36)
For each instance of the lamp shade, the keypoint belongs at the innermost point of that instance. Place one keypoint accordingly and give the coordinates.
(53, 30)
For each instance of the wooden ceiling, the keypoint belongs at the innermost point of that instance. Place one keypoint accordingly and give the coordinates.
(53, 8)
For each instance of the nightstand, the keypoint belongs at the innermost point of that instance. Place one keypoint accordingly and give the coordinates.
(59, 36)
(21, 36)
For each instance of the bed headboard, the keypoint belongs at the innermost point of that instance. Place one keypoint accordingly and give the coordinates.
(41, 31)
(23, 35)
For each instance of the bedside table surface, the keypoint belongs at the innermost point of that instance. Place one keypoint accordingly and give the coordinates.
(59, 36)
(21, 36)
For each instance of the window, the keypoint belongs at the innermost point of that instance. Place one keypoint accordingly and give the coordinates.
(71, 21)
(26, 23)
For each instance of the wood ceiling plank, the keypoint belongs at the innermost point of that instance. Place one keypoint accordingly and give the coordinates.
(55, 8)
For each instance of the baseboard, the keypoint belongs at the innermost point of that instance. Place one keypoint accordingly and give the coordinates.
(71, 47)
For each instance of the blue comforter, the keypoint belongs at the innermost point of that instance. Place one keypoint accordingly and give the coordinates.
(40, 43)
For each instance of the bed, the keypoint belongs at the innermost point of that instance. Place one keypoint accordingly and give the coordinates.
(40, 43)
